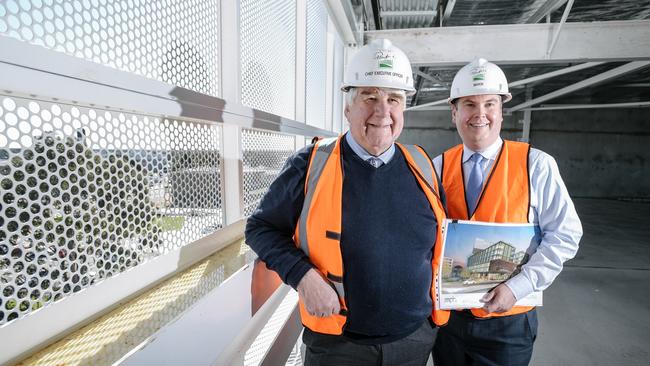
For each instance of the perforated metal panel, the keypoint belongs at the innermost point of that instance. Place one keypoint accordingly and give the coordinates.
(268, 55)
(175, 41)
(88, 193)
(264, 155)
(316, 63)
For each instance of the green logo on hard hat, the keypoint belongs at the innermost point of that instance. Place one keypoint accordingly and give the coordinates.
(478, 73)
(386, 63)
(384, 59)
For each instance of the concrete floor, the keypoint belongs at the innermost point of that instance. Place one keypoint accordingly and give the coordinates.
(597, 312)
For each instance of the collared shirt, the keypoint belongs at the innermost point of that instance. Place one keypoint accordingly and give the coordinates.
(363, 154)
(552, 209)
(489, 156)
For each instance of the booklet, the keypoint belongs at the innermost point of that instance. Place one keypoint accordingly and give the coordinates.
(478, 256)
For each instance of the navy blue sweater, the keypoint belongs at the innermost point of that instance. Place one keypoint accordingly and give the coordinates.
(387, 240)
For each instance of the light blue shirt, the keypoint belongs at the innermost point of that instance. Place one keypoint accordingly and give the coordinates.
(551, 209)
(363, 154)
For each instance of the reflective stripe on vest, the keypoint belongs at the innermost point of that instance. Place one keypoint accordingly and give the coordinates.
(505, 197)
(321, 152)
(422, 160)
(318, 231)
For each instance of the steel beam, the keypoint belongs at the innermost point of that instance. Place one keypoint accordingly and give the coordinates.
(426, 76)
(344, 20)
(600, 78)
(522, 43)
(544, 10)
(552, 74)
(407, 13)
(515, 84)
(565, 15)
(525, 129)
(448, 10)
(553, 107)
(429, 107)
(370, 14)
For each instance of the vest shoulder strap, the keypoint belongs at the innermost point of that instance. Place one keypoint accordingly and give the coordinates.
(320, 154)
(424, 164)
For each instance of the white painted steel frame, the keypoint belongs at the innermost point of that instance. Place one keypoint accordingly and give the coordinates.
(342, 15)
(449, 8)
(514, 84)
(233, 195)
(370, 15)
(525, 130)
(522, 43)
(426, 76)
(553, 74)
(546, 9)
(607, 75)
(556, 35)
(39, 73)
(552, 107)
(408, 13)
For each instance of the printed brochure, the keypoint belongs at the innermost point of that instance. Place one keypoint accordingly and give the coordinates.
(478, 256)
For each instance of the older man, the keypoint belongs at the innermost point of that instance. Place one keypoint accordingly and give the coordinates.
(489, 179)
(352, 223)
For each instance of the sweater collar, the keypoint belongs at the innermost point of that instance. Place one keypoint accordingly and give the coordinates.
(385, 157)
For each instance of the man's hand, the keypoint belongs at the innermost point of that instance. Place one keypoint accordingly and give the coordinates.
(317, 295)
(499, 300)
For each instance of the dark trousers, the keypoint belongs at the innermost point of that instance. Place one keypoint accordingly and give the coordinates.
(500, 341)
(327, 350)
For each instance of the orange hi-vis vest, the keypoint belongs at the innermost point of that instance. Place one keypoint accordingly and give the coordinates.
(318, 232)
(505, 197)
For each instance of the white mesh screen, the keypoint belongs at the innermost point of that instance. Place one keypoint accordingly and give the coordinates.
(88, 193)
(339, 123)
(175, 41)
(316, 63)
(264, 156)
(268, 55)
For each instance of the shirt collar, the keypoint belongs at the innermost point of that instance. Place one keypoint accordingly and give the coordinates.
(489, 153)
(363, 154)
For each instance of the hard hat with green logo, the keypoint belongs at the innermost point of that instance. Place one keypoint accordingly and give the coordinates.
(479, 77)
(379, 64)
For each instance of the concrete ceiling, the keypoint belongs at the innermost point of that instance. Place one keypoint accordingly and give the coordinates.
(528, 39)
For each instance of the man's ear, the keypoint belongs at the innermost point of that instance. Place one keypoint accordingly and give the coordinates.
(454, 110)
(346, 110)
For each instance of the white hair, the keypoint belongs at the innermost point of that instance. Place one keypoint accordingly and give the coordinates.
(353, 92)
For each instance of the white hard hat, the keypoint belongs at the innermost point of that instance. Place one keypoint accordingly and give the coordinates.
(379, 64)
(479, 77)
